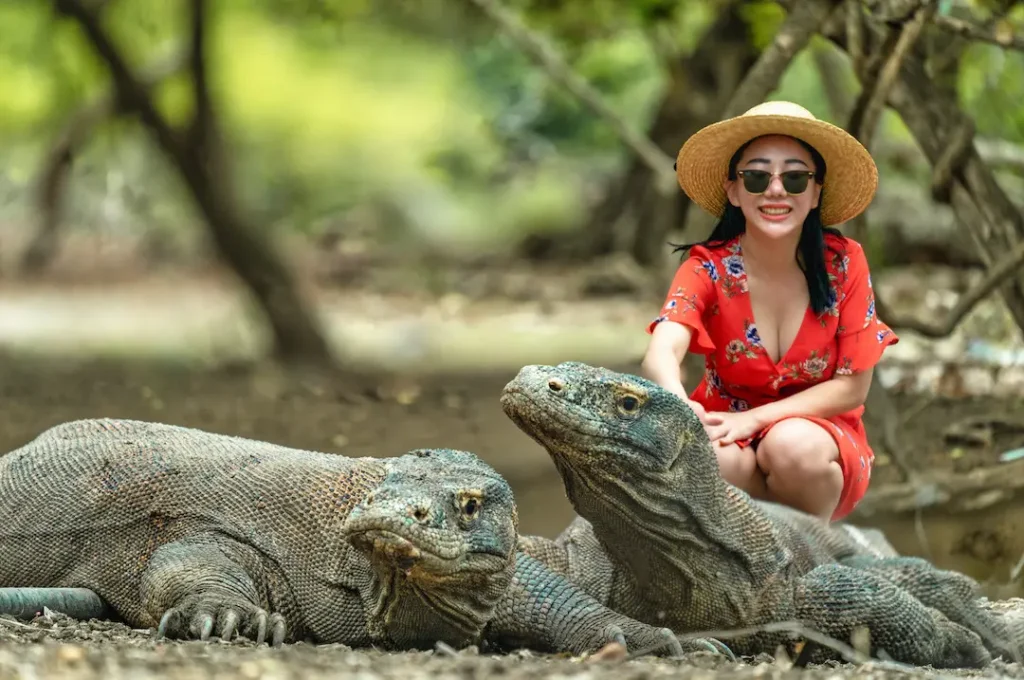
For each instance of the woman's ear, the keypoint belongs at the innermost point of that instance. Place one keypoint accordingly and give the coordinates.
(731, 187)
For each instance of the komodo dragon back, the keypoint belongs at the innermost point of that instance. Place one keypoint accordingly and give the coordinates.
(201, 534)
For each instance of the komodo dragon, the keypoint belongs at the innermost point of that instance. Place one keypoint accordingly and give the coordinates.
(662, 537)
(202, 534)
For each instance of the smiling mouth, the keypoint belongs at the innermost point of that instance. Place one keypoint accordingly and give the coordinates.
(776, 212)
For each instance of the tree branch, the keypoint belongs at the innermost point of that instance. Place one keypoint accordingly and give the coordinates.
(971, 31)
(864, 120)
(994, 276)
(202, 120)
(53, 176)
(802, 22)
(560, 72)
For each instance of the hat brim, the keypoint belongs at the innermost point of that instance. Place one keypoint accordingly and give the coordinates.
(851, 176)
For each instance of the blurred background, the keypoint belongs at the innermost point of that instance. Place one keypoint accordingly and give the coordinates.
(344, 225)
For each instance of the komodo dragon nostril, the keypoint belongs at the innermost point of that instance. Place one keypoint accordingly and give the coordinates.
(556, 385)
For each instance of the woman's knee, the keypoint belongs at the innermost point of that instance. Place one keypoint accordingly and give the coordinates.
(799, 451)
(737, 464)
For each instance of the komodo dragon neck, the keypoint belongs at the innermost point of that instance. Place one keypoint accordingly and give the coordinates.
(652, 522)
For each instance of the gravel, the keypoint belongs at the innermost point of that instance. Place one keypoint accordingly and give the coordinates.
(56, 647)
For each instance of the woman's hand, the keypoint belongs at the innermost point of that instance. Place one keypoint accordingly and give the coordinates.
(727, 428)
(705, 418)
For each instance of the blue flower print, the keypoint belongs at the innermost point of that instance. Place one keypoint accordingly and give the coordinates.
(752, 336)
(738, 405)
(711, 269)
(734, 266)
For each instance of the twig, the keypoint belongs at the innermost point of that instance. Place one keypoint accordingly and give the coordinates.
(967, 29)
(959, 146)
(796, 628)
(559, 71)
(994, 277)
(855, 34)
(58, 162)
(801, 23)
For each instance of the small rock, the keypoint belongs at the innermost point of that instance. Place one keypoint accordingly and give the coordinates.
(613, 651)
(70, 653)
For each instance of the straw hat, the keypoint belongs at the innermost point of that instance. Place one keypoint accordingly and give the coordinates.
(850, 175)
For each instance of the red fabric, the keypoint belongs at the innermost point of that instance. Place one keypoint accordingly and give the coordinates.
(709, 295)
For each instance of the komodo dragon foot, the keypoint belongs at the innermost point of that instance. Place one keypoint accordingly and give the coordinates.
(837, 600)
(954, 594)
(204, 584)
(196, 619)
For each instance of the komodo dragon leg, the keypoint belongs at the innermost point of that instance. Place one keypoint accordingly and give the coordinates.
(954, 594)
(192, 585)
(837, 600)
(544, 610)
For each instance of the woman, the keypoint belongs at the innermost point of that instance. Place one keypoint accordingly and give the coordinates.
(780, 305)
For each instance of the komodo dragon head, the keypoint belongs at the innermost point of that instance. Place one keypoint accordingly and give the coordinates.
(605, 423)
(441, 532)
(634, 459)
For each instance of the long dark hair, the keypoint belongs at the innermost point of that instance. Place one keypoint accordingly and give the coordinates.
(810, 254)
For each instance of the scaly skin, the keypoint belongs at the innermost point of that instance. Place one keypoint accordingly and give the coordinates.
(199, 535)
(663, 538)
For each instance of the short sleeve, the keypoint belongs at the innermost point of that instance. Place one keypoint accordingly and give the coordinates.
(862, 336)
(690, 295)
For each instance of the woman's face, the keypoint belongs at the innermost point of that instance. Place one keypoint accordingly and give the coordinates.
(771, 164)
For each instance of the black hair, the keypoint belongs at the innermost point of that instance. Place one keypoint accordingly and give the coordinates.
(810, 253)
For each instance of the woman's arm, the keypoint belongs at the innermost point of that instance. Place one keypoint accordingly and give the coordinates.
(663, 360)
(840, 394)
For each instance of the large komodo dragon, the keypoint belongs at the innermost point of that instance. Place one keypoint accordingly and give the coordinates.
(662, 537)
(202, 534)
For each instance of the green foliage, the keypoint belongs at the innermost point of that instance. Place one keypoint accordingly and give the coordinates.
(422, 111)
(764, 18)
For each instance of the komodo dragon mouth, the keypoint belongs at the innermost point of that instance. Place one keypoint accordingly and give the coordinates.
(447, 555)
(535, 417)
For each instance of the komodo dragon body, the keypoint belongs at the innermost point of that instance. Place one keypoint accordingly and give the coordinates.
(662, 537)
(201, 534)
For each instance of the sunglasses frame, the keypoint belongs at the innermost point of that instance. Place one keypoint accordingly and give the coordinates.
(807, 174)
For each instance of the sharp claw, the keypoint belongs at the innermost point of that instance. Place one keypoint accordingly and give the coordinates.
(207, 628)
(278, 631)
(230, 623)
(261, 627)
(672, 642)
(721, 648)
(161, 630)
(615, 634)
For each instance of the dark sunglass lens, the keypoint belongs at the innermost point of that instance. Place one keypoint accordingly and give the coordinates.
(756, 181)
(795, 182)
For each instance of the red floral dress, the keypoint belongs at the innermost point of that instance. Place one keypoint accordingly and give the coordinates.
(709, 295)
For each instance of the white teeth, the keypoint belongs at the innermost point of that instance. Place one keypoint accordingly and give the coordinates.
(775, 211)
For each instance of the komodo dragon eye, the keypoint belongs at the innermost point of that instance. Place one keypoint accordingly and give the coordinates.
(629, 403)
(470, 504)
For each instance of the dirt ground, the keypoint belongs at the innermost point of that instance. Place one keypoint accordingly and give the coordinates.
(57, 647)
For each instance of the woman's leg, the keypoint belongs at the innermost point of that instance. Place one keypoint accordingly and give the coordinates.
(800, 462)
(738, 466)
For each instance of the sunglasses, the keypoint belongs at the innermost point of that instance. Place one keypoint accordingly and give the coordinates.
(793, 181)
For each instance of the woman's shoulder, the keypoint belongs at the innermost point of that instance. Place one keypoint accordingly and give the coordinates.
(844, 255)
(715, 250)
